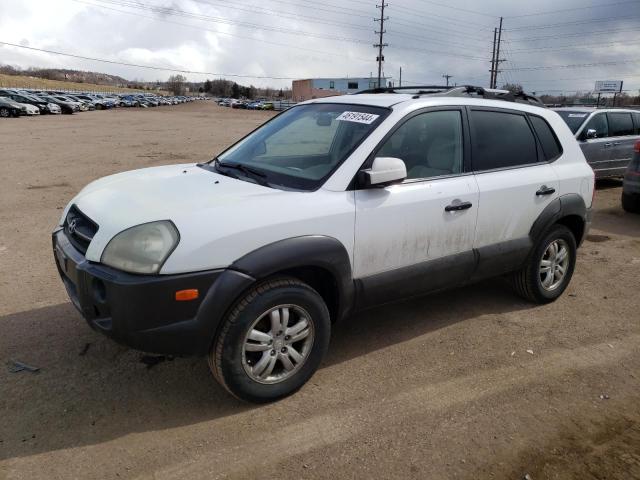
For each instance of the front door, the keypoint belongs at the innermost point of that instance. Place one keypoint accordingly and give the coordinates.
(597, 150)
(418, 236)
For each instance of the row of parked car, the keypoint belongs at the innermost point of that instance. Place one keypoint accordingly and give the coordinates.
(246, 104)
(16, 102)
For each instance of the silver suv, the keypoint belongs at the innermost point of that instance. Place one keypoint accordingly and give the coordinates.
(606, 136)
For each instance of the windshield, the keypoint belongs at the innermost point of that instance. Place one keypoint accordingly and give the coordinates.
(302, 146)
(573, 118)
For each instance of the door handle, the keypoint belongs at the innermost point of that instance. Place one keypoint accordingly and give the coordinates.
(607, 145)
(456, 206)
(616, 143)
(544, 190)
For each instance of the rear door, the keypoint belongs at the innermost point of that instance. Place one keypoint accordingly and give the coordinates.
(622, 139)
(516, 183)
(597, 150)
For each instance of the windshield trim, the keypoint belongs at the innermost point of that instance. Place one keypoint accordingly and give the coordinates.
(293, 186)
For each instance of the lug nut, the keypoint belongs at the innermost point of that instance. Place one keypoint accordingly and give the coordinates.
(273, 352)
(287, 337)
(284, 350)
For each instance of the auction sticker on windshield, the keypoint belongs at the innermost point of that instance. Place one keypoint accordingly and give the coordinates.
(358, 117)
(578, 115)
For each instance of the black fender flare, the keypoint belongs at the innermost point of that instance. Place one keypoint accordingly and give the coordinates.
(319, 251)
(570, 204)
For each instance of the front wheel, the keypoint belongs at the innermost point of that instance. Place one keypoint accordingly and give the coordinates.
(549, 268)
(4, 112)
(272, 341)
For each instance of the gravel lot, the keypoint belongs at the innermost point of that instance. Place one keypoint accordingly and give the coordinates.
(439, 387)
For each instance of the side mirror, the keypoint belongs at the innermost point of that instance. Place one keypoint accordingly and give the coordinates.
(384, 171)
(591, 133)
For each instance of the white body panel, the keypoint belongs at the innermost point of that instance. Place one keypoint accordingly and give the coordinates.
(218, 222)
(220, 219)
(406, 224)
(509, 204)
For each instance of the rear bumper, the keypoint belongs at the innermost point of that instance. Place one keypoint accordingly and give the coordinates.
(140, 311)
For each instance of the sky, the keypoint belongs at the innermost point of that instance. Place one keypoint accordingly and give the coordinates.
(549, 46)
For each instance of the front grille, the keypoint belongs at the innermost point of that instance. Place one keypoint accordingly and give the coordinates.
(79, 229)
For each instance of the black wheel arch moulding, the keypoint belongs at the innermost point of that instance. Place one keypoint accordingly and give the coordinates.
(317, 251)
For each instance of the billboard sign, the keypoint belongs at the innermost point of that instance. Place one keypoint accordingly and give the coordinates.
(608, 86)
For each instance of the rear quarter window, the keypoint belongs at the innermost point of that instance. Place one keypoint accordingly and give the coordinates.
(501, 140)
(620, 124)
(550, 145)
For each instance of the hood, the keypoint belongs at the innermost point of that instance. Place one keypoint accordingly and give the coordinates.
(178, 193)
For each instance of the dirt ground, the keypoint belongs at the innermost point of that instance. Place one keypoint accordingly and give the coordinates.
(434, 388)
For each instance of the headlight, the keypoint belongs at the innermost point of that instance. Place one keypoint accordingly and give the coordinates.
(142, 249)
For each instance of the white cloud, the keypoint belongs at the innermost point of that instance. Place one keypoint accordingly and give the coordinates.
(227, 39)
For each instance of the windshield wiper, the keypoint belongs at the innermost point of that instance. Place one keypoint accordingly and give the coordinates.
(254, 173)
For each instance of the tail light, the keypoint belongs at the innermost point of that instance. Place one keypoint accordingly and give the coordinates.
(636, 147)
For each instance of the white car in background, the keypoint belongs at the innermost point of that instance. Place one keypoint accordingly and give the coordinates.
(31, 109)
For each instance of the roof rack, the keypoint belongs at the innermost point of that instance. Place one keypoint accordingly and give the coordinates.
(422, 89)
(461, 91)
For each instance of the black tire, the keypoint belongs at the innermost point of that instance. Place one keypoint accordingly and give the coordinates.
(226, 354)
(5, 112)
(528, 283)
(631, 203)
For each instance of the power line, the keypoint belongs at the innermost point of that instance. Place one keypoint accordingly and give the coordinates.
(574, 46)
(475, 12)
(582, 7)
(222, 20)
(412, 12)
(289, 15)
(150, 67)
(577, 65)
(333, 54)
(218, 32)
(576, 22)
(577, 34)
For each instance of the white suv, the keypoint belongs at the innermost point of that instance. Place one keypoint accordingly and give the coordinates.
(333, 206)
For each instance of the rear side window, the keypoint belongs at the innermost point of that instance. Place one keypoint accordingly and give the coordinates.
(636, 123)
(620, 124)
(550, 144)
(501, 140)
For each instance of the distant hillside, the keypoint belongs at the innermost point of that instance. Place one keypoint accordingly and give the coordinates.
(23, 81)
(76, 76)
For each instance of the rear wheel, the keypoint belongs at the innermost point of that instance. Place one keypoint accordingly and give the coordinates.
(631, 203)
(549, 268)
(272, 341)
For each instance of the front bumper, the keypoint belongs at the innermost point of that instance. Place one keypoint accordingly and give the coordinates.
(141, 311)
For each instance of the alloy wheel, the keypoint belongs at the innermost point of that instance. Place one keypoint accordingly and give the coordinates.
(554, 264)
(277, 344)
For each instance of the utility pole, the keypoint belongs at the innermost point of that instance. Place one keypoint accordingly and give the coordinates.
(380, 45)
(493, 58)
(498, 60)
(447, 77)
(400, 76)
